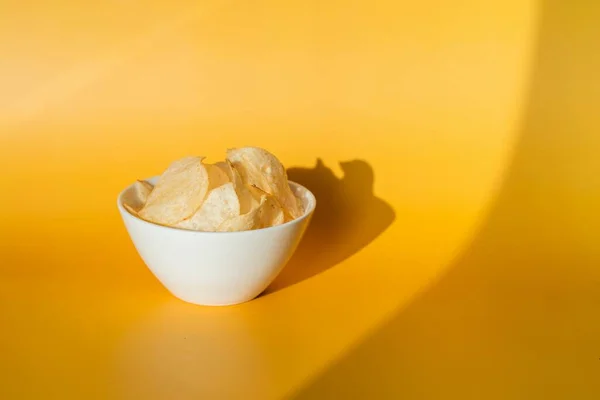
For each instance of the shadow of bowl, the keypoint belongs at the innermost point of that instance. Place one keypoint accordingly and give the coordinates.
(348, 217)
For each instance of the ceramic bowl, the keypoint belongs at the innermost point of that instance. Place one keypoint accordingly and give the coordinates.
(216, 268)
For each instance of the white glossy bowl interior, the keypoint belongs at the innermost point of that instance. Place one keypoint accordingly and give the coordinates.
(216, 268)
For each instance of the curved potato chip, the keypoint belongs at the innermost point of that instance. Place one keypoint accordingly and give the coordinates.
(259, 193)
(248, 202)
(244, 222)
(267, 213)
(137, 196)
(179, 192)
(259, 168)
(216, 176)
(272, 213)
(301, 205)
(130, 209)
(224, 166)
(221, 204)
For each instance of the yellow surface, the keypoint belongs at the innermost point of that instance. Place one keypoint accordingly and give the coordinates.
(458, 258)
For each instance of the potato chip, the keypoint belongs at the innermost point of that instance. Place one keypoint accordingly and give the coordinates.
(137, 196)
(179, 192)
(261, 169)
(244, 222)
(224, 166)
(143, 188)
(249, 190)
(248, 202)
(301, 206)
(259, 193)
(221, 204)
(130, 209)
(267, 213)
(216, 176)
(272, 213)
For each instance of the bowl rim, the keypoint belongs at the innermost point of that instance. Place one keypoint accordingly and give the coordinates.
(307, 213)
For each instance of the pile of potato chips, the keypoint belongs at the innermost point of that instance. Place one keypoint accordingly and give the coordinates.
(249, 190)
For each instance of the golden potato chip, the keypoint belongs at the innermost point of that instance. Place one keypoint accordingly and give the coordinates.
(248, 191)
(261, 169)
(280, 213)
(301, 209)
(272, 213)
(248, 202)
(130, 209)
(224, 166)
(179, 192)
(244, 222)
(143, 190)
(135, 198)
(221, 204)
(300, 202)
(216, 176)
(267, 213)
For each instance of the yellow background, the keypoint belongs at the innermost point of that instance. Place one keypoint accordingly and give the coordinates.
(458, 257)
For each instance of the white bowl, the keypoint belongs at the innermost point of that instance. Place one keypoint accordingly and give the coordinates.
(216, 268)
